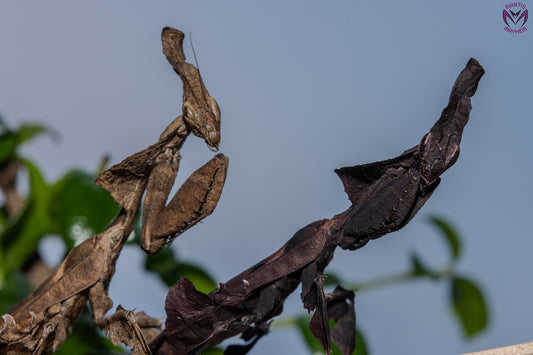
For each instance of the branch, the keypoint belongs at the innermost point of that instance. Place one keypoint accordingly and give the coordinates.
(385, 196)
(518, 349)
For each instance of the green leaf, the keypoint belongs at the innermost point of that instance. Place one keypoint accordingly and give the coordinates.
(11, 139)
(13, 289)
(360, 345)
(469, 306)
(80, 208)
(213, 351)
(7, 147)
(13, 227)
(4, 219)
(198, 276)
(170, 270)
(450, 235)
(312, 343)
(417, 267)
(332, 279)
(314, 346)
(29, 131)
(20, 239)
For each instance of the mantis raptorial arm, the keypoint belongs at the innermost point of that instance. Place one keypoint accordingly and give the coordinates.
(196, 198)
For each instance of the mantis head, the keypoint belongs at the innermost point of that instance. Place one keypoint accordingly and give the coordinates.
(204, 121)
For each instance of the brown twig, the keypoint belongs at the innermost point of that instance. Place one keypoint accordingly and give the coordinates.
(518, 349)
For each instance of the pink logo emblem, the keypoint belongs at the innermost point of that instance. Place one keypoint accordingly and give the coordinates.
(515, 17)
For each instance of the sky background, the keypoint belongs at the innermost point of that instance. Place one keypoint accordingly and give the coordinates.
(304, 87)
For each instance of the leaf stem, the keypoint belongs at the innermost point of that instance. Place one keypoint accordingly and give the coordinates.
(392, 279)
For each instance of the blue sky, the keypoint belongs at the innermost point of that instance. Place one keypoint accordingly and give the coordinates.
(304, 87)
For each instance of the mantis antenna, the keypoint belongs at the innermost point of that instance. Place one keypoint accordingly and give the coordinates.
(196, 61)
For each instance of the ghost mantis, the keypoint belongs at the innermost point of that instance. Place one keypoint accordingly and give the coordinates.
(43, 320)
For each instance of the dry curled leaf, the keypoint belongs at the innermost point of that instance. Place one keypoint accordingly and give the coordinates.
(385, 196)
(341, 309)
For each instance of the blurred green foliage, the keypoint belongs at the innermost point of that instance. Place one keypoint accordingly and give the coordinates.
(74, 208)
